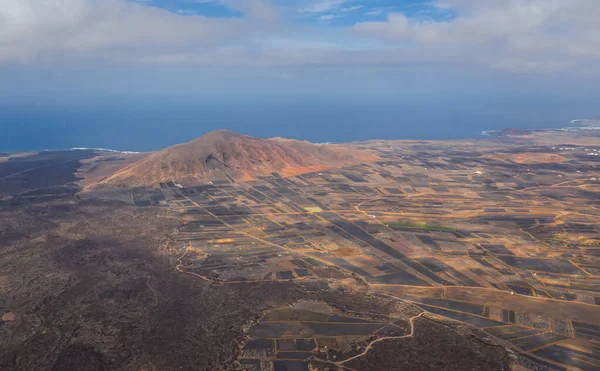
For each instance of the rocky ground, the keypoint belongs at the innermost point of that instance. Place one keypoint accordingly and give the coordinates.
(90, 289)
(90, 286)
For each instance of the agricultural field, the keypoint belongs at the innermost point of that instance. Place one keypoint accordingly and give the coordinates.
(499, 234)
(493, 244)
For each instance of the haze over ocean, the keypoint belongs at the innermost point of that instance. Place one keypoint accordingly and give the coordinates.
(152, 123)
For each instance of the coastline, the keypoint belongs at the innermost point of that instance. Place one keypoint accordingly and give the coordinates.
(583, 124)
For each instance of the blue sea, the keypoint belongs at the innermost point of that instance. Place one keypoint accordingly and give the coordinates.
(150, 123)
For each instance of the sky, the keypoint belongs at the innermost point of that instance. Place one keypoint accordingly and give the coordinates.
(57, 52)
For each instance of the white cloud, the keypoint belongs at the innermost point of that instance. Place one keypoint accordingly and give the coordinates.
(262, 9)
(513, 35)
(528, 35)
(375, 12)
(31, 28)
(351, 8)
(327, 17)
(186, 12)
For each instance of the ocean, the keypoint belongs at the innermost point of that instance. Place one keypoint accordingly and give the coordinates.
(152, 122)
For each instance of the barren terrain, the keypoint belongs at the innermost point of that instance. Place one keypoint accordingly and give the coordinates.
(449, 255)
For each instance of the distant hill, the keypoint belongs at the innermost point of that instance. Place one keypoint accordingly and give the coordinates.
(222, 154)
(514, 132)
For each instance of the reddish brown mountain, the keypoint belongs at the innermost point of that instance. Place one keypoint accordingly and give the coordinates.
(226, 155)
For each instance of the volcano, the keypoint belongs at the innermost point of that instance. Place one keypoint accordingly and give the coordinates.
(225, 155)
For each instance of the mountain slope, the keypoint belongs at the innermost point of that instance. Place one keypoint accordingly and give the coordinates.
(226, 155)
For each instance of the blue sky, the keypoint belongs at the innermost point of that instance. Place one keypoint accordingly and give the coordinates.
(187, 7)
(320, 13)
(307, 46)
